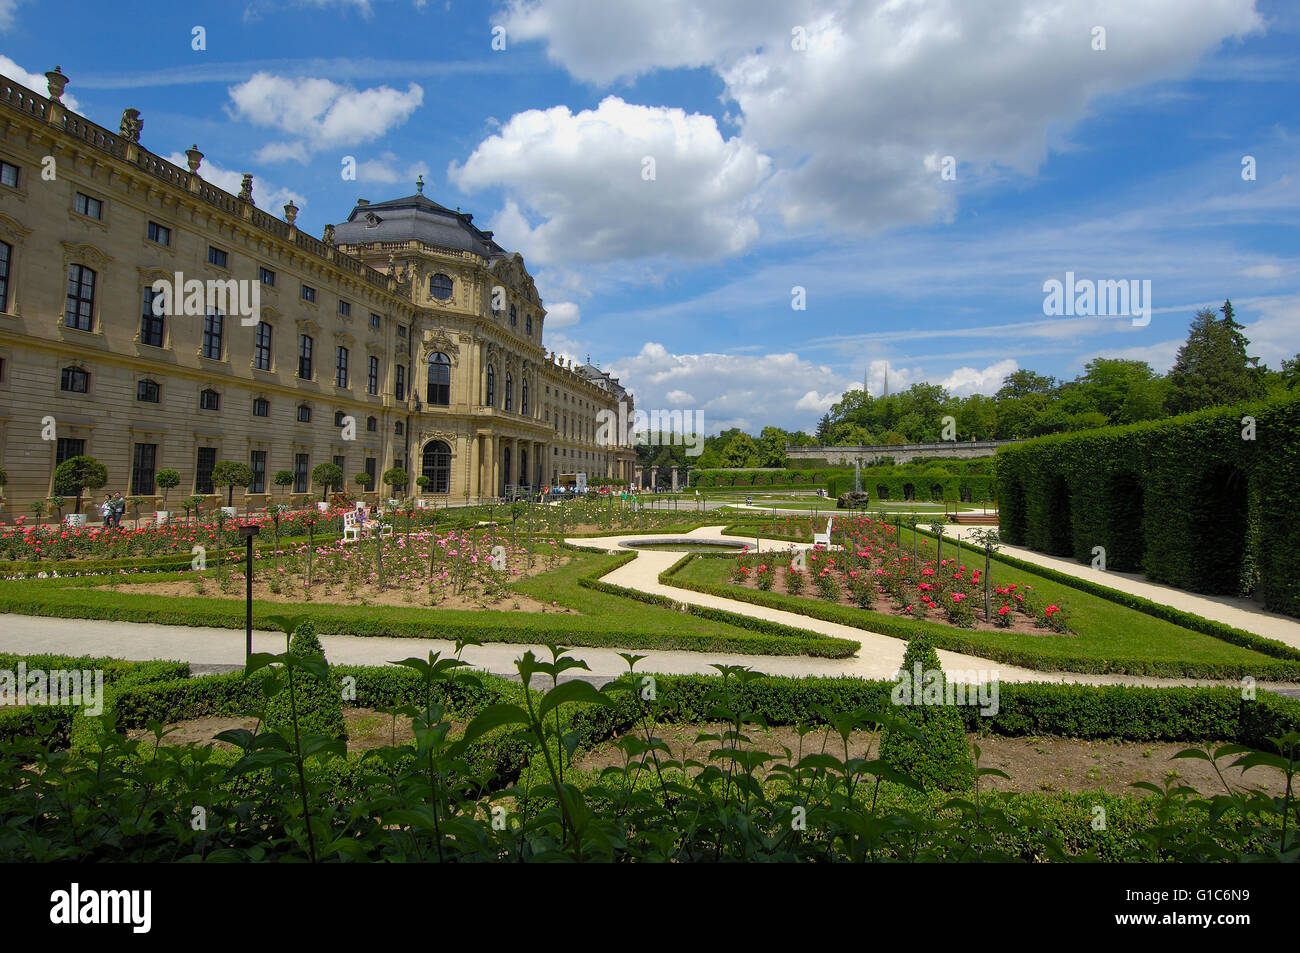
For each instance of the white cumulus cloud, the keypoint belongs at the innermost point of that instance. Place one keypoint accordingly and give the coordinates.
(617, 182)
(319, 113)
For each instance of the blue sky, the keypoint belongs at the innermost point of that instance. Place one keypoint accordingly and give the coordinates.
(775, 167)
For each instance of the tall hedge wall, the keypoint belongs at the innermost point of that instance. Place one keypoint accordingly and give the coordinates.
(743, 478)
(973, 488)
(1190, 501)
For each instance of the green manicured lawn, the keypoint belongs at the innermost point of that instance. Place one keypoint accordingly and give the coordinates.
(598, 618)
(1109, 637)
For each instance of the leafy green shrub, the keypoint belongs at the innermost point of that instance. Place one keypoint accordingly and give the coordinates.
(939, 758)
(319, 702)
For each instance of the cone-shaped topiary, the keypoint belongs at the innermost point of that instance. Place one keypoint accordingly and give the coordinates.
(940, 758)
(320, 704)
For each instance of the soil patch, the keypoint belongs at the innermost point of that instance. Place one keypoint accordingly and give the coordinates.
(366, 728)
(1033, 764)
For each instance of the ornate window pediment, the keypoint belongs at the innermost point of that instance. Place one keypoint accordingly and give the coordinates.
(84, 253)
(11, 229)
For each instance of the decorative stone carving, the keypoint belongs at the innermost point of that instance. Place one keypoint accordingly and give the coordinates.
(193, 157)
(246, 189)
(56, 83)
(439, 340)
(12, 229)
(81, 252)
(329, 235)
(291, 213)
(131, 126)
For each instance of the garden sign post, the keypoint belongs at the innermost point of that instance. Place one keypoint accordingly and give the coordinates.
(248, 532)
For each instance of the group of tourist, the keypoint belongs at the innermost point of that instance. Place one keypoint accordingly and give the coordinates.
(112, 508)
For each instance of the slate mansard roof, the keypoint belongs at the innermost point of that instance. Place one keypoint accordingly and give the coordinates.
(416, 217)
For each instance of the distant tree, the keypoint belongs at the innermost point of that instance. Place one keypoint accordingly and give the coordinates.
(326, 475)
(1023, 382)
(771, 447)
(395, 479)
(167, 479)
(230, 474)
(1212, 367)
(283, 479)
(740, 452)
(823, 428)
(77, 474)
(1291, 372)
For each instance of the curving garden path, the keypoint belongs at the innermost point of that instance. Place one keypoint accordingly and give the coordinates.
(880, 656)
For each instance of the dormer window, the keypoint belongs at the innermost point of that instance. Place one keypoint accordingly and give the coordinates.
(372, 220)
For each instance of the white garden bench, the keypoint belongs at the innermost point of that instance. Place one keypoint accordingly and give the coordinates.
(352, 526)
(824, 539)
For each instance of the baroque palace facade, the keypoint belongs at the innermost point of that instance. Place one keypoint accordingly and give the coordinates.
(406, 338)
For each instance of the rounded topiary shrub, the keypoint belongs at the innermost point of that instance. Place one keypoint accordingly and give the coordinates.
(320, 704)
(940, 758)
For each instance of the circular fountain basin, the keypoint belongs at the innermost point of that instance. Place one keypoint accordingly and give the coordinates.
(684, 544)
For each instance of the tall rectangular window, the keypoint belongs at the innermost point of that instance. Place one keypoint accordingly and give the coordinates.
(160, 234)
(91, 208)
(67, 448)
(217, 256)
(345, 309)
(80, 310)
(342, 464)
(258, 464)
(372, 378)
(142, 469)
(341, 368)
(300, 473)
(308, 293)
(399, 391)
(212, 331)
(304, 356)
(374, 320)
(151, 325)
(207, 460)
(6, 256)
(372, 468)
(266, 276)
(9, 175)
(261, 407)
(262, 346)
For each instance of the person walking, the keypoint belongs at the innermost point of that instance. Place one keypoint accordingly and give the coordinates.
(119, 508)
(106, 510)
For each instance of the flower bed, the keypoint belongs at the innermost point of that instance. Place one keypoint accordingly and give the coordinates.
(871, 571)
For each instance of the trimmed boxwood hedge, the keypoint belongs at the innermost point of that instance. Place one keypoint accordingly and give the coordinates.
(1088, 712)
(1189, 501)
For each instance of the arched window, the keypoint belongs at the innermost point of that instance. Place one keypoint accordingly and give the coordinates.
(439, 390)
(440, 286)
(514, 317)
(510, 387)
(523, 396)
(491, 396)
(372, 424)
(528, 324)
(437, 466)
